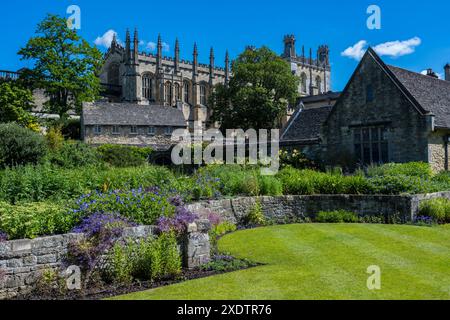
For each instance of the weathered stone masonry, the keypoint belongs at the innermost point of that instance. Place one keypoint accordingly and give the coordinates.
(286, 209)
(21, 261)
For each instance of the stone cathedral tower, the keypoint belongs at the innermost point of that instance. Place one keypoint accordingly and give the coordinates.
(132, 76)
(314, 72)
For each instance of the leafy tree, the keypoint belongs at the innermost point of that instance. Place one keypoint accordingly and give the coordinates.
(66, 66)
(258, 94)
(15, 104)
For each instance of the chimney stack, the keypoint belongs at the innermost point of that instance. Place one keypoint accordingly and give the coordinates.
(447, 72)
(431, 73)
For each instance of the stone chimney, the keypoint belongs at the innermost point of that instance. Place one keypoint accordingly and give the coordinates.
(447, 72)
(431, 73)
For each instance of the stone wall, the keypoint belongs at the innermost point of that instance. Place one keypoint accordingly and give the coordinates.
(21, 261)
(438, 151)
(286, 209)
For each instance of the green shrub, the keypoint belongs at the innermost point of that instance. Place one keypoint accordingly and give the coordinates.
(411, 169)
(34, 219)
(124, 156)
(399, 184)
(438, 209)
(296, 159)
(148, 260)
(20, 146)
(54, 138)
(46, 182)
(72, 154)
(270, 186)
(340, 216)
(256, 216)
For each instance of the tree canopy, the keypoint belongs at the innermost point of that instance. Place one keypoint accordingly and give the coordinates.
(258, 93)
(65, 65)
(16, 102)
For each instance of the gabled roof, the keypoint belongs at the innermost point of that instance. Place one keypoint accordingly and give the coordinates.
(428, 95)
(103, 113)
(305, 125)
(431, 93)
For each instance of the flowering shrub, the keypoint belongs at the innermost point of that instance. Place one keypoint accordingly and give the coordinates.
(436, 209)
(206, 186)
(296, 159)
(178, 223)
(143, 206)
(102, 232)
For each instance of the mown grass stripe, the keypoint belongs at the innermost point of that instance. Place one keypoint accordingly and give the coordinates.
(405, 269)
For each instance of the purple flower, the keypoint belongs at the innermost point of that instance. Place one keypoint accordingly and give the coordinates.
(423, 220)
(176, 201)
(214, 218)
(3, 236)
(178, 223)
(98, 222)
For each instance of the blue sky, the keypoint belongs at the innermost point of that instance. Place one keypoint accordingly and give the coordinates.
(420, 28)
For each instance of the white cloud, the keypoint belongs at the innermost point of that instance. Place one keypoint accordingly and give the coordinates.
(152, 46)
(357, 51)
(106, 39)
(393, 49)
(397, 48)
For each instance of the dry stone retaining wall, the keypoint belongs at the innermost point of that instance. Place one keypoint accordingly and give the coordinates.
(286, 209)
(21, 261)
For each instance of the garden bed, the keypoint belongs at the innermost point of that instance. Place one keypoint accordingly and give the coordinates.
(112, 291)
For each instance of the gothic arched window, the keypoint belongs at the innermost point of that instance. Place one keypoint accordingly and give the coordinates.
(168, 92)
(319, 84)
(147, 86)
(177, 92)
(187, 89)
(203, 100)
(113, 74)
(303, 80)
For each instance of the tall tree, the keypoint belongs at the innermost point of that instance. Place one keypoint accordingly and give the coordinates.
(65, 65)
(258, 93)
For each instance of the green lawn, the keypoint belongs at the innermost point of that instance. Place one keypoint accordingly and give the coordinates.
(325, 261)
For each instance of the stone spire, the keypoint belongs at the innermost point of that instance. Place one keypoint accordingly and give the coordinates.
(227, 67)
(128, 47)
(136, 46)
(211, 65)
(195, 60)
(177, 56)
(159, 54)
(114, 40)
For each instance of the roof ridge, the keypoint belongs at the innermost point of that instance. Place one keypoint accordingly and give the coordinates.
(418, 73)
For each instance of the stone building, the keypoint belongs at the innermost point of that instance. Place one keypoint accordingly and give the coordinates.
(314, 73)
(130, 124)
(147, 79)
(302, 132)
(136, 77)
(385, 114)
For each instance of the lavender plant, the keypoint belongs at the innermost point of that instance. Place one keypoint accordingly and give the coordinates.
(101, 233)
